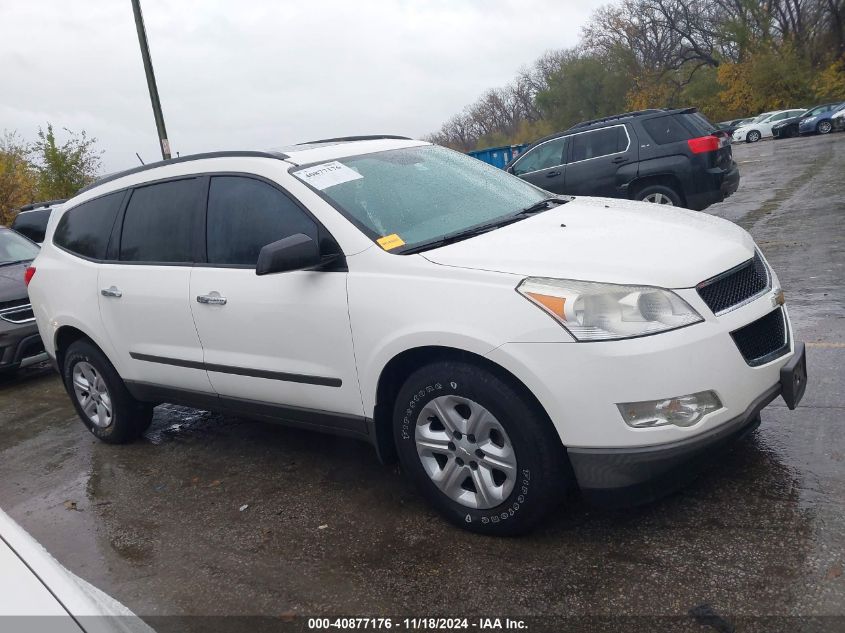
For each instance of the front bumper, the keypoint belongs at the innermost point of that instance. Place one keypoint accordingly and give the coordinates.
(628, 476)
(19, 344)
(580, 384)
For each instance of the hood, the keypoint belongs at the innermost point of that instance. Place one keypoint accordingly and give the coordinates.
(12, 286)
(607, 240)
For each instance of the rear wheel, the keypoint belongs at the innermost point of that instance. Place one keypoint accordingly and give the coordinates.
(753, 136)
(824, 127)
(100, 396)
(477, 449)
(659, 194)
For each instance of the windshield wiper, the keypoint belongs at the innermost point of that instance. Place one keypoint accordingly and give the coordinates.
(18, 261)
(542, 205)
(457, 237)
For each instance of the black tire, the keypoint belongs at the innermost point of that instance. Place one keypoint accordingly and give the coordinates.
(824, 127)
(542, 475)
(130, 418)
(647, 193)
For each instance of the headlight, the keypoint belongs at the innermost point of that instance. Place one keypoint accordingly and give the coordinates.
(602, 312)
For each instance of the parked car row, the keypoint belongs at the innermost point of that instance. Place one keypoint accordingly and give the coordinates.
(785, 123)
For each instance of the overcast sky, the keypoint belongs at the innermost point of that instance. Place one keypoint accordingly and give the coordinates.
(256, 74)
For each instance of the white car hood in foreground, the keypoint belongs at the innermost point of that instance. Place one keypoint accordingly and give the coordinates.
(607, 240)
(39, 594)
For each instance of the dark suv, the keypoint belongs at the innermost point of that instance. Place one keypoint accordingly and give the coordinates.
(672, 157)
(31, 220)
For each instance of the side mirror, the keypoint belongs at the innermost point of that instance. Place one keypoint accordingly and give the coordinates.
(291, 253)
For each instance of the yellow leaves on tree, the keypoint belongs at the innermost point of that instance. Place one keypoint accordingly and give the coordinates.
(18, 179)
(830, 84)
(649, 92)
(767, 80)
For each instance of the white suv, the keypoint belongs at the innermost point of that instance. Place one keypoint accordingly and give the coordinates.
(504, 343)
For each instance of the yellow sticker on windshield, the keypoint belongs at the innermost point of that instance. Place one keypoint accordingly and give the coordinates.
(389, 242)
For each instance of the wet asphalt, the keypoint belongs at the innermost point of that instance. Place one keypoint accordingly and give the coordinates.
(214, 515)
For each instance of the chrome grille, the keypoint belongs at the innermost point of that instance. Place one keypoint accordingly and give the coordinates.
(18, 314)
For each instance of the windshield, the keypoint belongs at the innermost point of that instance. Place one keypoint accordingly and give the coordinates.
(14, 248)
(762, 117)
(414, 195)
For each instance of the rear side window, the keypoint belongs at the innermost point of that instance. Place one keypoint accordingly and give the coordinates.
(609, 140)
(698, 124)
(85, 229)
(159, 221)
(666, 129)
(549, 154)
(245, 215)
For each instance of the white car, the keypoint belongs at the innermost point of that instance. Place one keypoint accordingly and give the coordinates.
(761, 125)
(505, 343)
(38, 594)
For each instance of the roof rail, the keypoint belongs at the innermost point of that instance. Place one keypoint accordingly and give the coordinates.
(345, 139)
(183, 159)
(38, 205)
(615, 117)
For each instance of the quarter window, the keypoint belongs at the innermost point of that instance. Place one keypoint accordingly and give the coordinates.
(85, 229)
(666, 129)
(159, 221)
(244, 215)
(609, 140)
(549, 154)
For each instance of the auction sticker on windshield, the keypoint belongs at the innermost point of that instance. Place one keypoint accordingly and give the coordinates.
(327, 175)
(389, 242)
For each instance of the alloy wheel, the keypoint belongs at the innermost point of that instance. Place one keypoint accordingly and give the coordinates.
(825, 127)
(466, 452)
(92, 394)
(658, 198)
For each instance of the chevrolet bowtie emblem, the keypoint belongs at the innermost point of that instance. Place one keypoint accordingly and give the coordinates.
(778, 299)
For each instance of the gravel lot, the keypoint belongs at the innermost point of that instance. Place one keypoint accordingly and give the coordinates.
(161, 524)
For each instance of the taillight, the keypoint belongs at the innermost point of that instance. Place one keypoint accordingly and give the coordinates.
(29, 274)
(704, 144)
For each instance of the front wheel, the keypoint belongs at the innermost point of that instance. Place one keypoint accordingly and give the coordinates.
(100, 396)
(479, 451)
(824, 127)
(753, 136)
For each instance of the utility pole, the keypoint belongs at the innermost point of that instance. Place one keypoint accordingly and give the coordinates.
(151, 79)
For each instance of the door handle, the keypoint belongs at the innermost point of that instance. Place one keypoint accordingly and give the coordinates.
(620, 159)
(212, 298)
(111, 292)
(552, 174)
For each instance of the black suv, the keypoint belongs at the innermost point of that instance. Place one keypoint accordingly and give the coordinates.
(31, 220)
(672, 157)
